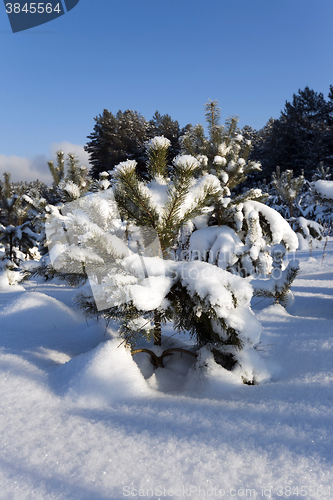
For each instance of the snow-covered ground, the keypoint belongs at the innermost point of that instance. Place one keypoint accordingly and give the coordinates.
(79, 421)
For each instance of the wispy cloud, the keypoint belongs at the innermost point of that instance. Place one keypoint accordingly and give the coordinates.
(35, 167)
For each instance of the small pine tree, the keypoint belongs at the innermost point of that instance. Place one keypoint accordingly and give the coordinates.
(226, 155)
(163, 204)
(70, 185)
(129, 280)
(135, 199)
(288, 188)
(277, 287)
(15, 230)
(57, 171)
(322, 173)
(9, 200)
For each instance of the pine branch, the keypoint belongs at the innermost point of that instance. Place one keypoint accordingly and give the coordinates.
(129, 189)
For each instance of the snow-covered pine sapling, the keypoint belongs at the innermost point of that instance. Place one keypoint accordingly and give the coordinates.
(70, 185)
(164, 204)
(57, 171)
(223, 153)
(212, 303)
(226, 153)
(309, 232)
(213, 306)
(278, 286)
(322, 173)
(9, 201)
(288, 188)
(19, 240)
(256, 246)
(244, 251)
(15, 230)
(103, 183)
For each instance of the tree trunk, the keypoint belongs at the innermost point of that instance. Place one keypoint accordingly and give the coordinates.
(157, 328)
(218, 214)
(10, 247)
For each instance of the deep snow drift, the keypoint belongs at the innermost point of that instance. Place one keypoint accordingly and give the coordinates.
(80, 421)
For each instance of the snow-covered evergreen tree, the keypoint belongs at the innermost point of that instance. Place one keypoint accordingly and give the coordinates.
(17, 238)
(322, 191)
(296, 200)
(9, 201)
(123, 257)
(277, 287)
(288, 188)
(164, 204)
(252, 226)
(70, 183)
(18, 241)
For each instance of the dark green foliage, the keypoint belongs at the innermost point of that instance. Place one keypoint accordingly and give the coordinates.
(301, 138)
(191, 313)
(10, 197)
(164, 125)
(134, 201)
(116, 139)
(123, 136)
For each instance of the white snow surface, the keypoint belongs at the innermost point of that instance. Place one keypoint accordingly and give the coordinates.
(324, 188)
(79, 420)
(219, 243)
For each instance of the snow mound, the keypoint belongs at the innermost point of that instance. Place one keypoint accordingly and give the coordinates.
(324, 188)
(46, 330)
(105, 375)
(210, 380)
(275, 311)
(40, 310)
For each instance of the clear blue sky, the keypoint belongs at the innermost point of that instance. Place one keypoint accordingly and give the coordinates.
(171, 56)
